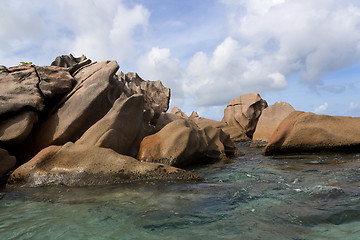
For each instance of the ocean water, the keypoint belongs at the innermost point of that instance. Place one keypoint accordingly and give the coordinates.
(253, 197)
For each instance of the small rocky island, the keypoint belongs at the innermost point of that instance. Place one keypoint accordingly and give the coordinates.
(80, 123)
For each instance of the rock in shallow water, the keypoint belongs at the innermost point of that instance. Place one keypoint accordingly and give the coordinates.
(83, 165)
(269, 120)
(309, 132)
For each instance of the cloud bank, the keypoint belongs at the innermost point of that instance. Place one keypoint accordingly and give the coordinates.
(269, 41)
(205, 57)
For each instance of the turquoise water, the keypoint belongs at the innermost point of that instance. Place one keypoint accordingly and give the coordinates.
(254, 197)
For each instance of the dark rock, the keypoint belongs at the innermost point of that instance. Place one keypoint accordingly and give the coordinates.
(54, 81)
(7, 162)
(69, 61)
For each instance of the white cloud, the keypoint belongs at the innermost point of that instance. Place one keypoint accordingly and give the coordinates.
(99, 30)
(271, 40)
(322, 108)
(227, 74)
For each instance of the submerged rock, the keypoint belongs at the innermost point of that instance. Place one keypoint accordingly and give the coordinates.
(243, 113)
(269, 120)
(309, 132)
(84, 165)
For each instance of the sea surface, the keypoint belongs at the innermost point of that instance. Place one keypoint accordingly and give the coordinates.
(313, 196)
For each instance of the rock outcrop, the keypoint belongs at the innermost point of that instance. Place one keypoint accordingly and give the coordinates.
(96, 89)
(84, 165)
(308, 132)
(25, 93)
(182, 143)
(7, 162)
(243, 113)
(269, 120)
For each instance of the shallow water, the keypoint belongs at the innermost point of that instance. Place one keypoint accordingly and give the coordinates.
(254, 197)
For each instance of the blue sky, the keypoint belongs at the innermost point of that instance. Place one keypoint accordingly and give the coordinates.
(306, 52)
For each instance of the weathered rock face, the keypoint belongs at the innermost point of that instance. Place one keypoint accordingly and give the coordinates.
(121, 129)
(54, 81)
(70, 62)
(156, 96)
(25, 90)
(28, 86)
(83, 165)
(309, 132)
(7, 162)
(96, 90)
(269, 120)
(181, 143)
(19, 90)
(243, 112)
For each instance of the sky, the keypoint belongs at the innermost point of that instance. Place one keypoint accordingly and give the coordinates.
(304, 52)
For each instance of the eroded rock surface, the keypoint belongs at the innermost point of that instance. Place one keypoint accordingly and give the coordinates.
(156, 96)
(309, 132)
(19, 90)
(84, 165)
(70, 62)
(96, 90)
(243, 112)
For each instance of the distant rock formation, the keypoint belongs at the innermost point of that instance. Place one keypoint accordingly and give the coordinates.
(308, 132)
(242, 114)
(269, 120)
